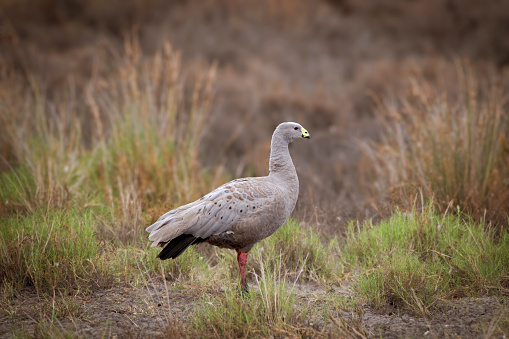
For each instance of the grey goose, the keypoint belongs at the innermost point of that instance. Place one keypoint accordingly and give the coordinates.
(238, 214)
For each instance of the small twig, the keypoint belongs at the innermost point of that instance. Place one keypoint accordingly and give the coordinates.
(167, 293)
(131, 320)
(444, 255)
(423, 314)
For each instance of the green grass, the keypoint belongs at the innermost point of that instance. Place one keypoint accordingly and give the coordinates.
(301, 252)
(416, 259)
(139, 265)
(50, 249)
(269, 310)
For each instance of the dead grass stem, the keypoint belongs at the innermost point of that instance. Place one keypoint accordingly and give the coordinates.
(447, 136)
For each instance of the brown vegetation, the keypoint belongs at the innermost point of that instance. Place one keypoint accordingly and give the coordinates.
(446, 133)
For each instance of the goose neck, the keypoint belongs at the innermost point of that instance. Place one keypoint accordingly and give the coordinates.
(281, 163)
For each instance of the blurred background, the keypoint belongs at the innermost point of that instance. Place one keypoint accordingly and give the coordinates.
(335, 66)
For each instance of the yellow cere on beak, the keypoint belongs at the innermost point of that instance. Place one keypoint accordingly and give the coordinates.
(305, 133)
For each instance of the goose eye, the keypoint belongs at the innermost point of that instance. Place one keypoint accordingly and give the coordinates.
(295, 128)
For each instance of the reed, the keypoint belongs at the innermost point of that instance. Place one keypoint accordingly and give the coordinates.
(449, 137)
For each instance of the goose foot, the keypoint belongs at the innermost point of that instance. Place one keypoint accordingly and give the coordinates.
(244, 292)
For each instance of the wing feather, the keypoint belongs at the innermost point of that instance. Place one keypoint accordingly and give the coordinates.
(215, 212)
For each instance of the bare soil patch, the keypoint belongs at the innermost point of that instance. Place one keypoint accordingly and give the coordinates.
(145, 312)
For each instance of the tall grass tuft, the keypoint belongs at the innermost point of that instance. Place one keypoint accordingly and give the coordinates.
(302, 252)
(126, 147)
(51, 250)
(153, 134)
(131, 141)
(44, 142)
(417, 259)
(271, 310)
(448, 136)
(148, 154)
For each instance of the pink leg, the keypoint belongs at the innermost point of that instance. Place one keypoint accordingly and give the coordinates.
(242, 259)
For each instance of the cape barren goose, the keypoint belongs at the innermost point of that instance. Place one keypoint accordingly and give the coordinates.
(238, 214)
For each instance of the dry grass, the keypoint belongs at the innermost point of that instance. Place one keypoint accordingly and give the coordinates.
(447, 135)
(78, 176)
(136, 142)
(154, 130)
(303, 61)
(142, 140)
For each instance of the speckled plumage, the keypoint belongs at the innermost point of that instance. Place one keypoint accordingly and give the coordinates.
(241, 212)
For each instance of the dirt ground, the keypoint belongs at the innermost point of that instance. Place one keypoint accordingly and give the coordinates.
(144, 312)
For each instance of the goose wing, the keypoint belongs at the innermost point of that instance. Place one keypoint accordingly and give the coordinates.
(217, 211)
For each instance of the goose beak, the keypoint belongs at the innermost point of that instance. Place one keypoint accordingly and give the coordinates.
(305, 133)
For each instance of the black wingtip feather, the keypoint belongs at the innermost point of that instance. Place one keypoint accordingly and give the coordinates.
(178, 245)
